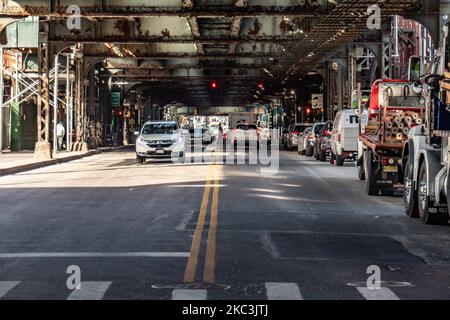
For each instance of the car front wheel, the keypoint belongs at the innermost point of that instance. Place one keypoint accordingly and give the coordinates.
(140, 159)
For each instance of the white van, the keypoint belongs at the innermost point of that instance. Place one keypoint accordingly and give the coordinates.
(344, 138)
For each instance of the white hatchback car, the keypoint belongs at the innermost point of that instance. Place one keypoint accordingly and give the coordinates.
(160, 139)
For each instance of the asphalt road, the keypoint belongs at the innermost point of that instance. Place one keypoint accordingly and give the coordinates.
(211, 231)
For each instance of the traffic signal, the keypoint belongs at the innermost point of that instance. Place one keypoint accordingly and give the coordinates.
(308, 110)
(214, 85)
(261, 86)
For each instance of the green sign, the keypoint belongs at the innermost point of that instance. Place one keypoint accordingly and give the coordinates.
(115, 99)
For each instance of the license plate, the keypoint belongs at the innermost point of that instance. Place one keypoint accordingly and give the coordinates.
(159, 151)
(390, 168)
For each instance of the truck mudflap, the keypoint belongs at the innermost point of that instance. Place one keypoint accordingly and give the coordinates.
(388, 177)
(431, 159)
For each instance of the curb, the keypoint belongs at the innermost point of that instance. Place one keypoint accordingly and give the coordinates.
(46, 163)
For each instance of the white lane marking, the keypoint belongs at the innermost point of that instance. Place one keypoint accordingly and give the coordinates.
(377, 294)
(7, 286)
(94, 255)
(90, 290)
(187, 294)
(283, 291)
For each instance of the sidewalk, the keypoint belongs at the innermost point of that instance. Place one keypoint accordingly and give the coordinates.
(14, 162)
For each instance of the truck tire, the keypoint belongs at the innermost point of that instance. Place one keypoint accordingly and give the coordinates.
(361, 173)
(387, 192)
(323, 156)
(410, 193)
(309, 151)
(424, 203)
(339, 160)
(332, 158)
(360, 167)
(316, 153)
(371, 188)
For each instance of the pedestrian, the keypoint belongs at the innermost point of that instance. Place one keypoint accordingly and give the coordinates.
(60, 133)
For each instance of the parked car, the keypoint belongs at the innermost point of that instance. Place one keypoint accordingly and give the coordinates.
(294, 135)
(311, 138)
(322, 143)
(285, 136)
(160, 139)
(303, 140)
(244, 133)
(344, 138)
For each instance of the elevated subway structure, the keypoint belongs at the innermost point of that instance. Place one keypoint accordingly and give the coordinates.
(118, 63)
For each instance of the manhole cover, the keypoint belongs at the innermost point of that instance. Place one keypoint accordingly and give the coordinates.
(192, 286)
(383, 284)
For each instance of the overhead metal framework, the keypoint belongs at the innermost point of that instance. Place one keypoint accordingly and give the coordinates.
(188, 43)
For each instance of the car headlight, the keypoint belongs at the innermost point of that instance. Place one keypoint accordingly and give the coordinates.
(177, 140)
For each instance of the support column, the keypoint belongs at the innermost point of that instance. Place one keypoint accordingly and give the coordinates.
(80, 104)
(92, 111)
(43, 147)
(352, 81)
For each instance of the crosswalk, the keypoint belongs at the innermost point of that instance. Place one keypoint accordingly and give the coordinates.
(97, 290)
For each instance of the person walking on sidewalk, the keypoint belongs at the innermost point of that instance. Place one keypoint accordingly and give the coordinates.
(60, 133)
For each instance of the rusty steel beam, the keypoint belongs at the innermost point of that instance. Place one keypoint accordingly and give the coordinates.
(118, 12)
(179, 67)
(179, 39)
(344, 24)
(171, 55)
(202, 77)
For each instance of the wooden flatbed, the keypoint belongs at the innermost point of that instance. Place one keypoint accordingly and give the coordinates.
(374, 144)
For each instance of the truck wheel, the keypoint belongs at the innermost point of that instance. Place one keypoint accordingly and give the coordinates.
(361, 173)
(385, 192)
(360, 164)
(371, 189)
(309, 151)
(339, 160)
(424, 203)
(410, 194)
(332, 158)
(316, 153)
(323, 156)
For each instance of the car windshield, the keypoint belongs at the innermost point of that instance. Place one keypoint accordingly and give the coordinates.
(299, 128)
(159, 128)
(318, 128)
(246, 127)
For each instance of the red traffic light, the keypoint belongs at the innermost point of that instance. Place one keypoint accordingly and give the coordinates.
(213, 85)
(261, 86)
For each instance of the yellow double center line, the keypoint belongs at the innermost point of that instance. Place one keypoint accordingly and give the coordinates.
(210, 259)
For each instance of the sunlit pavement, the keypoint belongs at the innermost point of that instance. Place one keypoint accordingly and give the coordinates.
(207, 230)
